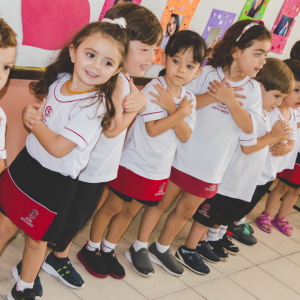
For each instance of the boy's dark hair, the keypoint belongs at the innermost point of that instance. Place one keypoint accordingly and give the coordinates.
(276, 75)
(182, 41)
(294, 65)
(7, 35)
(177, 23)
(142, 24)
(223, 50)
(63, 64)
(295, 52)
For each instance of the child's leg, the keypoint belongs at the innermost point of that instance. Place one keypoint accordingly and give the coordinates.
(7, 230)
(65, 253)
(153, 214)
(197, 233)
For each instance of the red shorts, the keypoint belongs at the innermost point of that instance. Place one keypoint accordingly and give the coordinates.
(138, 187)
(291, 177)
(193, 185)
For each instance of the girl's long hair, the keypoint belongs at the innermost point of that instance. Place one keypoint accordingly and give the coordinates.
(177, 20)
(63, 64)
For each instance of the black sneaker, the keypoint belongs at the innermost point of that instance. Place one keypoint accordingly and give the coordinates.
(64, 271)
(242, 234)
(192, 261)
(166, 260)
(115, 269)
(27, 294)
(249, 227)
(229, 246)
(37, 287)
(93, 262)
(218, 249)
(140, 261)
(207, 253)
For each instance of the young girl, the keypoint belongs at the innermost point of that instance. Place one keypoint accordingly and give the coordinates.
(199, 164)
(149, 149)
(40, 184)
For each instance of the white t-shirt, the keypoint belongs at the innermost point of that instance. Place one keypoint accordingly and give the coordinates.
(74, 118)
(207, 153)
(273, 164)
(151, 157)
(241, 176)
(2, 134)
(105, 158)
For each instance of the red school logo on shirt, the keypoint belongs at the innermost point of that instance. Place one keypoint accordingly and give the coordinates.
(161, 190)
(33, 214)
(48, 111)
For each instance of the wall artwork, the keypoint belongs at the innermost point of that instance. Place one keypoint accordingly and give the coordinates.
(254, 9)
(110, 3)
(177, 16)
(284, 25)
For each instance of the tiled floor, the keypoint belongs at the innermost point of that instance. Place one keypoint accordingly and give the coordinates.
(269, 270)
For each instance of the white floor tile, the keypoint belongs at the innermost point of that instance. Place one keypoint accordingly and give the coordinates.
(180, 295)
(295, 258)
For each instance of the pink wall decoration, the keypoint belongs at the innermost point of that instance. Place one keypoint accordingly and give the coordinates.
(50, 24)
(110, 3)
(284, 25)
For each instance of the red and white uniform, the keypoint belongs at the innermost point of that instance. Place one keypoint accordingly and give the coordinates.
(2, 134)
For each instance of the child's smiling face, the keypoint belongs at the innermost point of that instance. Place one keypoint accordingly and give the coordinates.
(293, 99)
(7, 56)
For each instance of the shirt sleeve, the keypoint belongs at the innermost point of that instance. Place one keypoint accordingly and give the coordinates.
(294, 126)
(2, 135)
(246, 139)
(84, 124)
(195, 86)
(191, 119)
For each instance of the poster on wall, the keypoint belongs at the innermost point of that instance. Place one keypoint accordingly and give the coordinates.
(254, 9)
(284, 25)
(110, 3)
(177, 16)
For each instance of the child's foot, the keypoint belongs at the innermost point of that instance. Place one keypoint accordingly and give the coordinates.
(93, 262)
(37, 287)
(115, 269)
(282, 225)
(229, 246)
(27, 294)
(140, 261)
(218, 249)
(62, 269)
(242, 234)
(249, 227)
(207, 253)
(192, 260)
(166, 260)
(263, 222)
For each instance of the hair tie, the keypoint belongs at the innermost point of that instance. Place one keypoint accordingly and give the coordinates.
(256, 22)
(120, 21)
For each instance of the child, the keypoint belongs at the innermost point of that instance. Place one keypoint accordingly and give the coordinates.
(41, 182)
(199, 164)
(150, 147)
(295, 51)
(241, 176)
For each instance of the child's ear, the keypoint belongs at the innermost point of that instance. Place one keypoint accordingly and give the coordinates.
(72, 52)
(235, 54)
(163, 59)
(198, 72)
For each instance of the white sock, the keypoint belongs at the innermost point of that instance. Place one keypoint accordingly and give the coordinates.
(107, 246)
(241, 221)
(137, 245)
(161, 248)
(213, 234)
(222, 231)
(21, 285)
(91, 246)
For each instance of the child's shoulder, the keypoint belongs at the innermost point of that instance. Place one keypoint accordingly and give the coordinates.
(150, 85)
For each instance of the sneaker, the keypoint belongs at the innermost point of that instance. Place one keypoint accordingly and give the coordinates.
(63, 271)
(242, 234)
(166, 260)
(249, 227)
(115, 269)
(140, 261)
(229, 246)
(218, 249)
(93, 262)
(27, 294)
(192, 260)
(207, 253)
(37, 287)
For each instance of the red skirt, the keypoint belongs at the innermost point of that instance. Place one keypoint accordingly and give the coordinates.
(291, 177)
(193, 185)
(138, 187)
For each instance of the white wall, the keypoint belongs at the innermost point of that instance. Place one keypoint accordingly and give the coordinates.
(10, 10)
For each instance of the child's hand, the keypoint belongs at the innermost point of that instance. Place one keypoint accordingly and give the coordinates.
(165, 100)
(236, 95)
(186, 106)
(136, 101)
(280, 129)
(278, 149)
(32, 114)
(287, 134)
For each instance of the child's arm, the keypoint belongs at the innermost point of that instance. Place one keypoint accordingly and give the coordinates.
(31, 115)
(282, 148)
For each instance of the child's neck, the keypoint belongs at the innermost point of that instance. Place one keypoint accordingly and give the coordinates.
(124, 72)
(285, 110)
(174, 90)
(233, 72)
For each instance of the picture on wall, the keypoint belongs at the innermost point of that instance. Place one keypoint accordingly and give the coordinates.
(284, 25)
(254, 9)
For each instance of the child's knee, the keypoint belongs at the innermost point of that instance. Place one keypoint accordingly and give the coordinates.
(7, 230)
(112, 209)
(33, 244)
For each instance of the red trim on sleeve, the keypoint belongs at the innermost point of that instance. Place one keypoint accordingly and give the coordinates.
(77, 134)
(153, 113)
(246, 140)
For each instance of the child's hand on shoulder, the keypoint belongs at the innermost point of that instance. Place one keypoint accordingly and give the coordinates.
(164, 99)
(186, 106)
(33, 114)
(280, 129)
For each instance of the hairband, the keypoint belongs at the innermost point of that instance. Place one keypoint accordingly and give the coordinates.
(256, 22)
(120, 21)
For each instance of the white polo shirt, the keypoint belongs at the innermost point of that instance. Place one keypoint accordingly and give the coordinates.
(74, 118)
(151, 157)
(207, 153)
(2, 134)
(105, 158)
(241, 176)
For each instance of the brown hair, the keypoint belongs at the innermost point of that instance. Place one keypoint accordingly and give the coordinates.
(7, 35)
(223, 50)
(63, 64)
(294, 65)
(276, 75)
(295, 52)
(142, 24)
